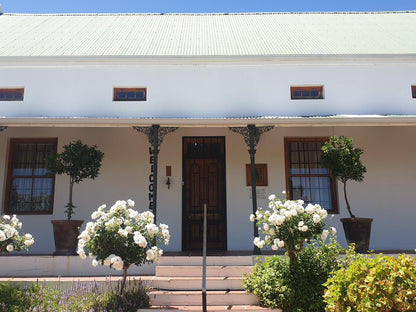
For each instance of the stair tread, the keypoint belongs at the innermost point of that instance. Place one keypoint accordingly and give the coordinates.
(211, 308)
(197, 292)
(192, 278)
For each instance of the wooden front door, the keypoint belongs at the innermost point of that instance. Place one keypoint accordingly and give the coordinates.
(204, 182)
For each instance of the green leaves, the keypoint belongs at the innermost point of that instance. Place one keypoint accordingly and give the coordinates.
(77, 160)
(300, 289)
(373, 284)
(342, 159)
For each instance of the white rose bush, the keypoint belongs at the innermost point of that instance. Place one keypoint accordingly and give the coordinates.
(288, 224)
(10, 239)
(121, 236)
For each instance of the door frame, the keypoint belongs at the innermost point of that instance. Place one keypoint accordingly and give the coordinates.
(224, 188)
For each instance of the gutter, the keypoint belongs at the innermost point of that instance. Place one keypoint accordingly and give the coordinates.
(330, 121)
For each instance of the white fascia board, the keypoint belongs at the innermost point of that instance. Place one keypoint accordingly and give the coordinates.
(351, 121)
(24, 61)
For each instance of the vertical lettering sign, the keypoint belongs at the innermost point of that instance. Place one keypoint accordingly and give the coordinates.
(151, 179)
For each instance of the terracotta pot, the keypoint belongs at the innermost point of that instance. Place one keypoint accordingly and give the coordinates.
(357, 230)
(66, 236)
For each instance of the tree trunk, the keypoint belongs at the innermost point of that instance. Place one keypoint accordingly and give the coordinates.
(346, 200)
(123, 283)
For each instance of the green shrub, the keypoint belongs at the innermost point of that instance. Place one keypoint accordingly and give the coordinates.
(300, 290)
(373, 284)
(14, 298)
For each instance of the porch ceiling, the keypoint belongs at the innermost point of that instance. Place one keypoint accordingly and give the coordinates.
(277, 121)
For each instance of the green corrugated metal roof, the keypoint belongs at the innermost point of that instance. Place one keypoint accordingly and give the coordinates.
(249, 34)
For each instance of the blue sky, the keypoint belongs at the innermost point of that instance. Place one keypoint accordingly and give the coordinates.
(195, 6)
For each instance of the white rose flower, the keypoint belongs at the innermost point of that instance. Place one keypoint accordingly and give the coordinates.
(304, 228)
(152, 229)
(272, 197)
(117, 263)
(6, 217)
(140, 240)
(85, 236)
(301, 223)
(9, 231)
(130, 203)
(316, 218)
(107, 261)
(150, 255)
(133, 214)
(323, 213)
(281, 244)
(310, 209)
(333, 230)
(96, 214)
(252, 217)
(123, 232)
(274, 247)
(163, 226)
(2, 236)
(28, 236)
(10, 248)
(265, 226)
(82, 254)
(29, 242)
(324, 234)
(258, 242)
(94, 263)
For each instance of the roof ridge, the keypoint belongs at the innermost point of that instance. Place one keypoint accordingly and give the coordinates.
(209, 14)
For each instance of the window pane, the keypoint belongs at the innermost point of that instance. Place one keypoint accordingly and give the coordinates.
(42, 150)
(23, 159)
(314, 190)
(21, 195)
(42, 194)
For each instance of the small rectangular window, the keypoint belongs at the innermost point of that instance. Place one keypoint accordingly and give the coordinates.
(9, 94)
(414, 92)
(261, 174)
(304, 93)
(129, 94)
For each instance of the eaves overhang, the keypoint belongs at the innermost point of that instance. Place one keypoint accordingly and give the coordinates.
(204, 59)
(277, 121)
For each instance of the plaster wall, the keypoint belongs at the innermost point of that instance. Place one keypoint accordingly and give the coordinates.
(386, 194)
(210, 90)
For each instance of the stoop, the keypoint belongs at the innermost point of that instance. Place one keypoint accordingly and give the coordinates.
(178, 281)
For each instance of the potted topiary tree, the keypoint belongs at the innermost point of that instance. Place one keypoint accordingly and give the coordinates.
(79, 161)
(342, 159)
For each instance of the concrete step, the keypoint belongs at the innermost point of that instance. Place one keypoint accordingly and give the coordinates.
(196, 271)
(194, 298)
(211, 260)
(195, 283)
(233, 308)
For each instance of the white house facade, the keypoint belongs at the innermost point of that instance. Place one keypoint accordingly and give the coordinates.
(207, 84)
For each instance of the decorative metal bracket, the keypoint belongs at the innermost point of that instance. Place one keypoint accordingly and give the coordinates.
(251, 136)
(2, 128)
(257, 132)
(150, 133)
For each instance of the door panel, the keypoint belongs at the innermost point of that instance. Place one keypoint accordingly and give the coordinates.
(204, 182)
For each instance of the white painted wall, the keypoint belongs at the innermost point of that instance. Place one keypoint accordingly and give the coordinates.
(215, 89)
(387, 193)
